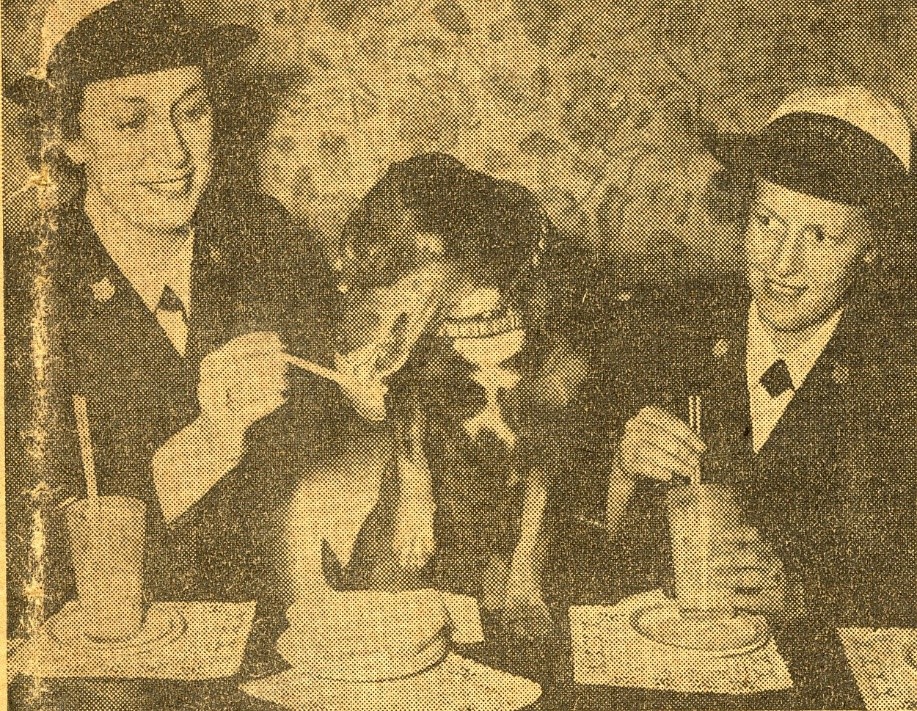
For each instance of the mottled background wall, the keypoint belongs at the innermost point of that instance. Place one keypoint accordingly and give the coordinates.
(593, 107)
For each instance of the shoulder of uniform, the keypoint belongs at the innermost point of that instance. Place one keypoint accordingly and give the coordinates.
(263, 207)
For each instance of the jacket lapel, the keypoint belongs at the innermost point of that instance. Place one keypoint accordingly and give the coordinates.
(116, 319)
(116, 342)
(723, 389)
(215, 293)
(812, 425)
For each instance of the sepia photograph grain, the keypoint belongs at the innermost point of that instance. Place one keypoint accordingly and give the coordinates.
(460, 355)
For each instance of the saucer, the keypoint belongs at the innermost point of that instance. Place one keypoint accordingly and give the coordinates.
(162, 626)
(718, 637)
(902, 673)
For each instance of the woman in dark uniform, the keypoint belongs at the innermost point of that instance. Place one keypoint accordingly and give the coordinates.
(148, 282)
(460, 296)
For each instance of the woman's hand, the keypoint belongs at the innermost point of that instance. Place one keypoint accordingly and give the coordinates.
(243, 381)
(658, 445)
(655, 445)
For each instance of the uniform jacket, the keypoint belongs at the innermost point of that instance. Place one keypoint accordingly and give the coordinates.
(75, 325)
(834, 488)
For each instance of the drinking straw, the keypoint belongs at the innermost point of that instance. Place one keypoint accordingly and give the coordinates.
(89, 467)
(694, 422)
(314, 368)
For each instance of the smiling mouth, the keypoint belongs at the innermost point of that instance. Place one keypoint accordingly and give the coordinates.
(787, 291)
(171, 188)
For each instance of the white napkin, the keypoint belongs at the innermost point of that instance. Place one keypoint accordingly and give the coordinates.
(609, 651)
(456, 684)
(181, 640)
(883, 664)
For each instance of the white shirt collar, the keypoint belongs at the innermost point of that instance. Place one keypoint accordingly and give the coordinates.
(762, 351)
(148, 277)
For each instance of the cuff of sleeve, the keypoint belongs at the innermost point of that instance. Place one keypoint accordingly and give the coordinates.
(191, 462)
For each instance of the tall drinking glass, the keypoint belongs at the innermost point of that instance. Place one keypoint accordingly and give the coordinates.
(700, 514)
(107, 547)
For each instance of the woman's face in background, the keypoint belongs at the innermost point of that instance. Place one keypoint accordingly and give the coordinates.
(803, 253)
(146, 142)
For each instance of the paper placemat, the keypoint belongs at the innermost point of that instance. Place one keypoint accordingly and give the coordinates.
(609, 651)
(180, 640)
(883, 664)
(456, 684)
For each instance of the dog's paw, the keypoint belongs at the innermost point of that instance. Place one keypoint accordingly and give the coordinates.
(414, 542)
(528, 618)
(525, 612)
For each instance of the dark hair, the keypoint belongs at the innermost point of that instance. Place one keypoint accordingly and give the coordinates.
(494, 229)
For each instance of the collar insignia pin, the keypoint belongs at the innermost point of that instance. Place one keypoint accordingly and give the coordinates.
(103, 290)
(840, 374)
(215, 255)
(624, 296)
(721, 348)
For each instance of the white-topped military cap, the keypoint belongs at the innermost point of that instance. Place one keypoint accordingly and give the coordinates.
(842, 143)
(858, 106)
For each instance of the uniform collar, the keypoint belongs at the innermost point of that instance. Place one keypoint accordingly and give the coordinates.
(147, 277)
(762, 350)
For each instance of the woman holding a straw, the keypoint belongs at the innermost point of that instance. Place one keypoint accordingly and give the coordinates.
(158, 290)
(796, 380)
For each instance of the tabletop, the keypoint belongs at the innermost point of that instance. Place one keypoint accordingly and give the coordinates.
(822, 678)
(815, 657)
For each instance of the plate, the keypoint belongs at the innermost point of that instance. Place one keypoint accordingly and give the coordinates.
(163, 625)
(719, 637)
(349, 666)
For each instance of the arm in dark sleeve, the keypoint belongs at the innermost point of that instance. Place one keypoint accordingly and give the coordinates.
(880, 531)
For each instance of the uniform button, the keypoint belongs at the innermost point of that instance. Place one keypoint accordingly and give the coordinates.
(721, 348)
(102, 290)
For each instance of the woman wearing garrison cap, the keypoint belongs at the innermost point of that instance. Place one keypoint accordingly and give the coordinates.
(153, 286)
(803, 375)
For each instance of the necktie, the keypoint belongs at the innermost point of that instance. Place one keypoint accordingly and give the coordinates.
(169, 301)
(776, 379)
(171, 314)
